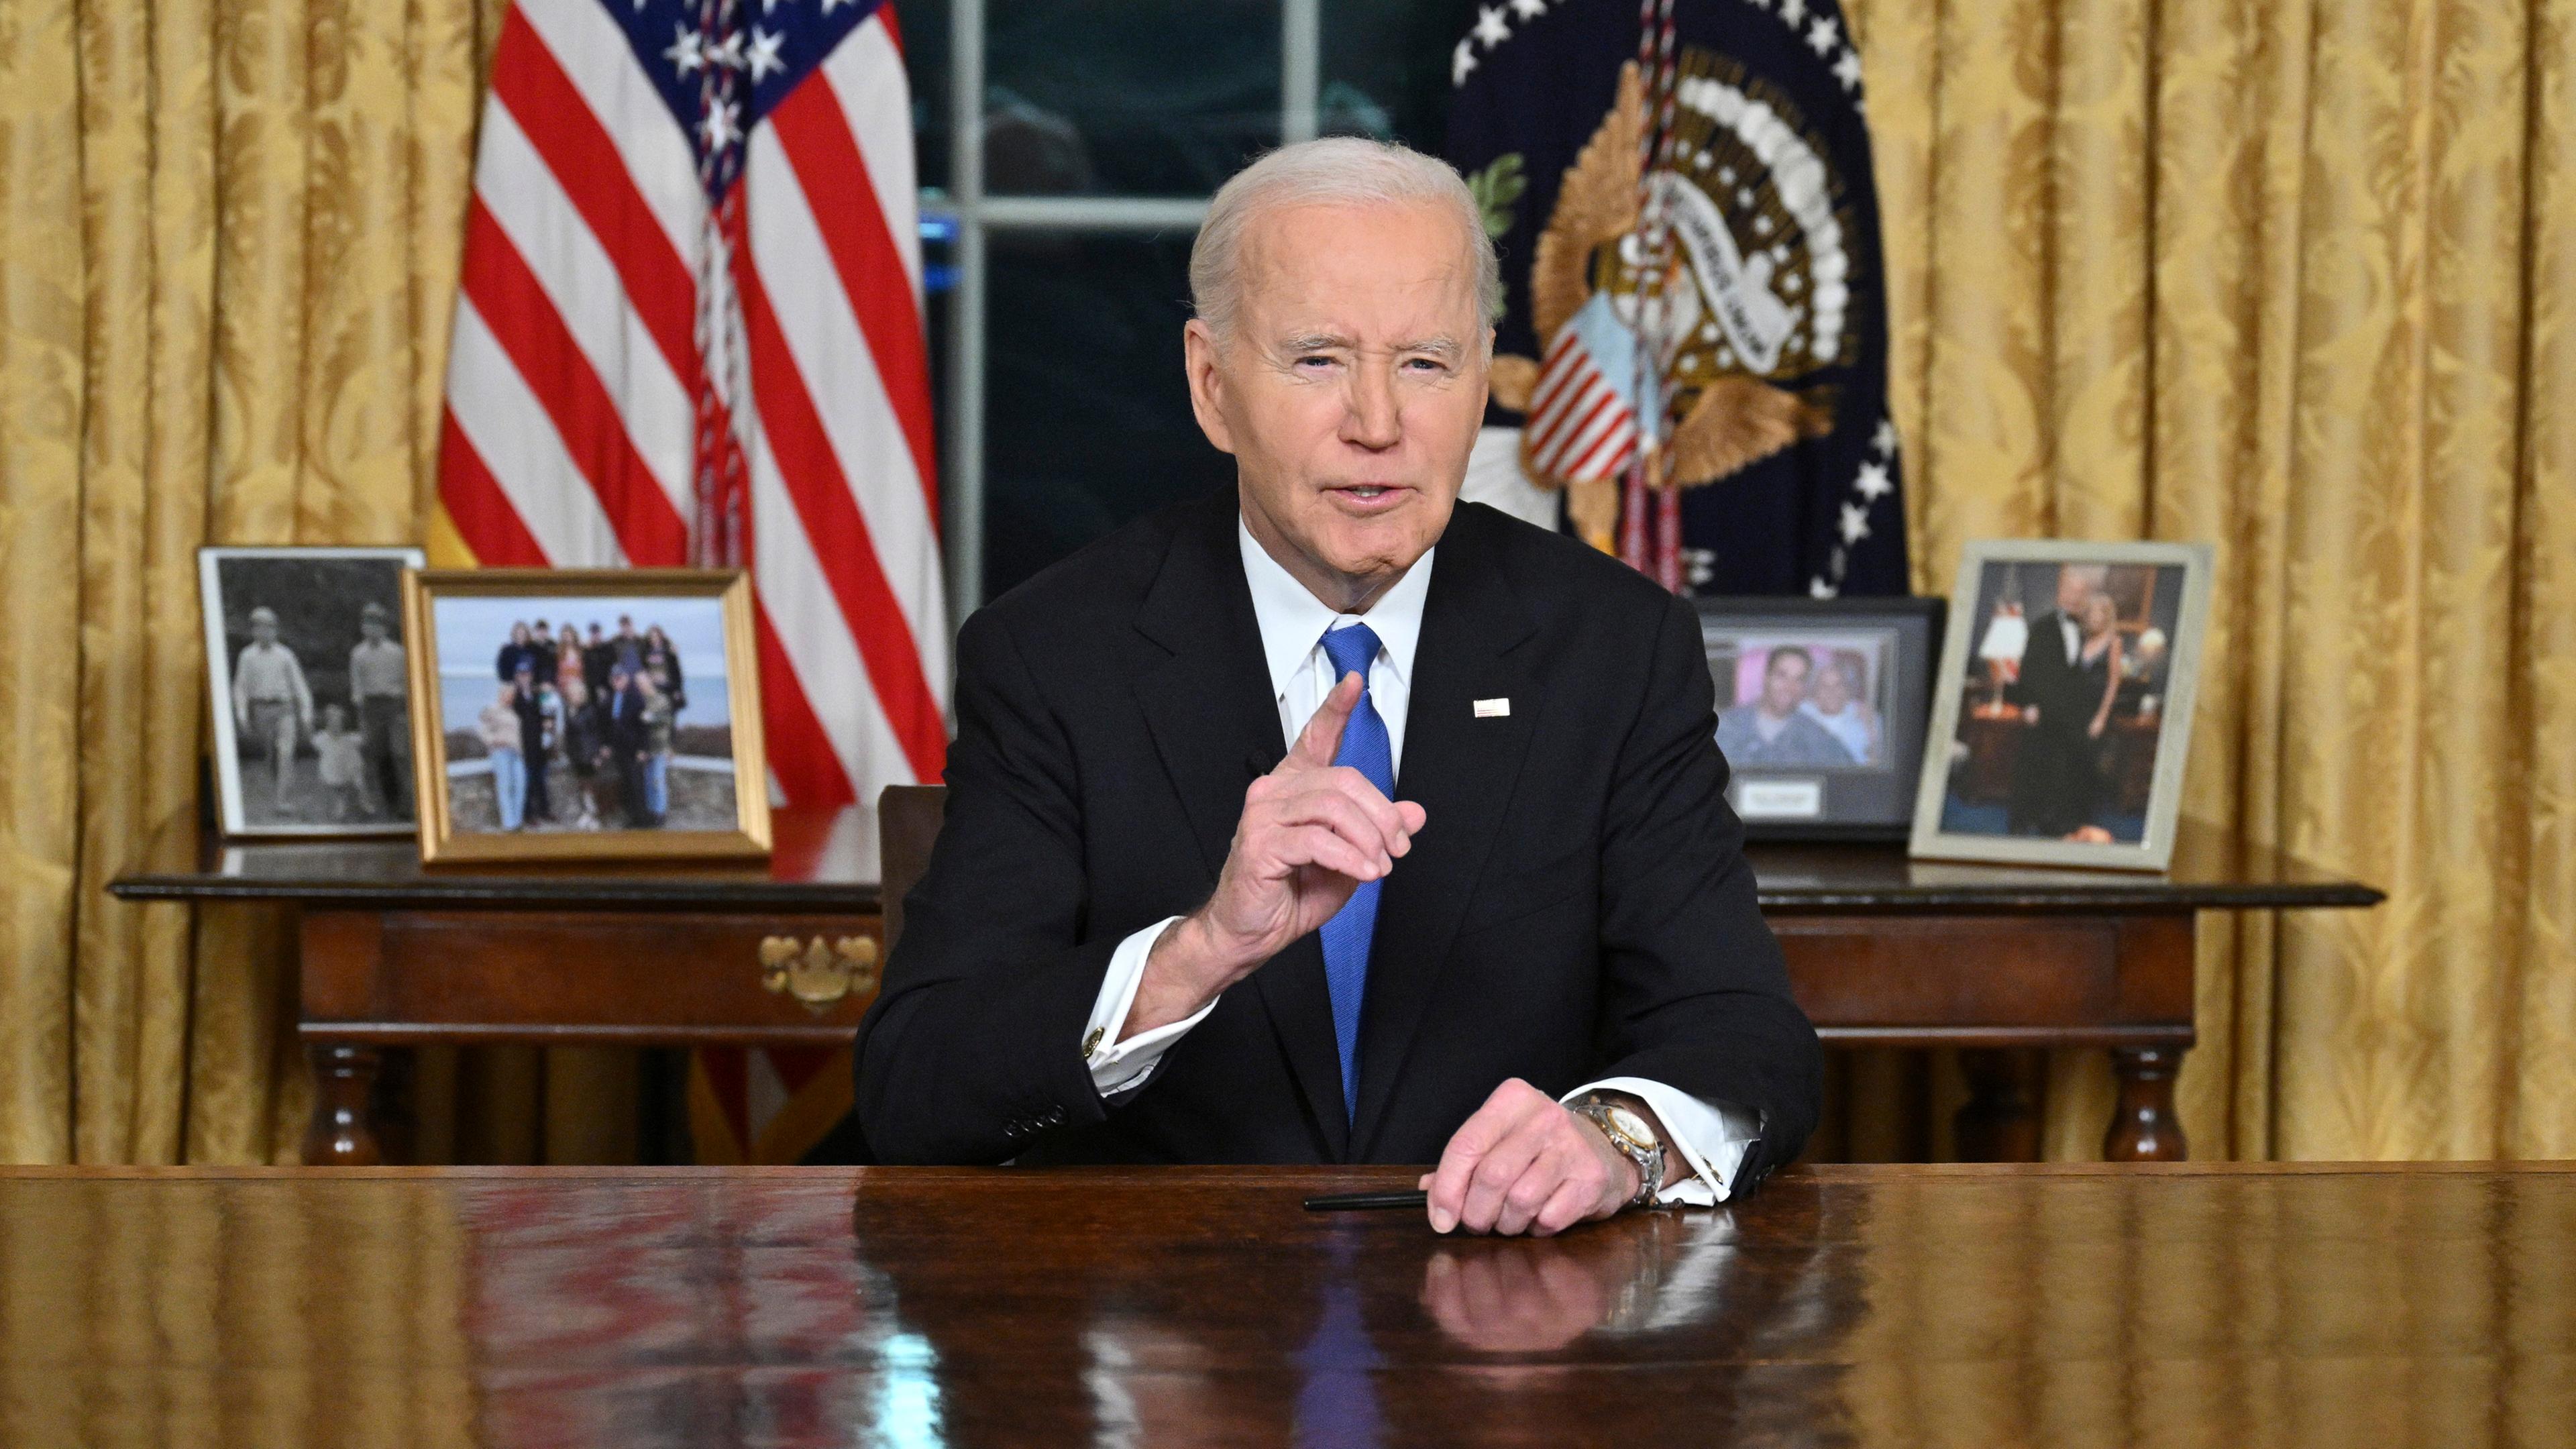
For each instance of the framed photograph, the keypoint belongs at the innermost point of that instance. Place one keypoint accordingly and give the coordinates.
(2064, 709)
(1820, 710)
(310, 683)
(586, 714)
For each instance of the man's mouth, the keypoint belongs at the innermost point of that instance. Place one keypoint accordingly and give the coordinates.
(1368, 495)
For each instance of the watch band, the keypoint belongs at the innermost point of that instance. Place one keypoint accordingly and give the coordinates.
(1648, 1157)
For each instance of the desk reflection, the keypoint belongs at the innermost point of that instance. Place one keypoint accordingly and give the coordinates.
(1930, 1307)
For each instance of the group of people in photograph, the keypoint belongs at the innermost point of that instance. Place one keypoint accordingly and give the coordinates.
(363, 746)
(1813, 712)
(606, 705)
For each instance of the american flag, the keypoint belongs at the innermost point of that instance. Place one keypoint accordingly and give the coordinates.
(1582, 425)
(690, 332)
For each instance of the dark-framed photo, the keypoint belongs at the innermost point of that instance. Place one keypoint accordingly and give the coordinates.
(568, 714)
(2063, 715)
(309, 689)
(1820, 710)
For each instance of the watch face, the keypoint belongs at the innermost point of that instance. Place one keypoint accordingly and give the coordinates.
(1632, 1126)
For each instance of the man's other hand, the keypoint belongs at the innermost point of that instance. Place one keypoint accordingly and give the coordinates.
(1310, 833)
(1524, 1164)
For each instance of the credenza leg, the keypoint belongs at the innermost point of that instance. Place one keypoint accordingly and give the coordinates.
(343, 1131)
(2144, 1125)
(1997, 1123)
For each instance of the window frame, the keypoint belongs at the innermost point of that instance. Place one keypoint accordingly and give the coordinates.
(971, 216)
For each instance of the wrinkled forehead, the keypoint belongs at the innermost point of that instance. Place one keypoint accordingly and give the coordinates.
(1378, 273)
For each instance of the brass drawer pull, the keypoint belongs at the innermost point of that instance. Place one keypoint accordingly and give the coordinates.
(819, 973)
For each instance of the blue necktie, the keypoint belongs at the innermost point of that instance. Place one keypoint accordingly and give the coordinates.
(1365, 748)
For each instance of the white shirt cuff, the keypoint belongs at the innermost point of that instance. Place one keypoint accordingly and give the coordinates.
(1122, 1066)
(1711, 1137)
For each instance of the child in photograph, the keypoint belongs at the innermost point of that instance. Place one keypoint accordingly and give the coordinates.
(498, 724)
(344, 767)
(270, 701)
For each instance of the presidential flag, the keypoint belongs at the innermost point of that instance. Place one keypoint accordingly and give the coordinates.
(690, 332)
(1694, 340)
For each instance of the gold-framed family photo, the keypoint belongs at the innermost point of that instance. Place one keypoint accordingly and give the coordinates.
(571, 714)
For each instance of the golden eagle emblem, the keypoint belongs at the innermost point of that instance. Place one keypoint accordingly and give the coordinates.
(1751, 296)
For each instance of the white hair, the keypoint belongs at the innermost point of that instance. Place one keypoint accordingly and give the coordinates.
(1333, 170)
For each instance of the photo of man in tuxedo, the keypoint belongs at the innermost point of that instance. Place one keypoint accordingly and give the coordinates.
(1327, 819)
(2056, 776)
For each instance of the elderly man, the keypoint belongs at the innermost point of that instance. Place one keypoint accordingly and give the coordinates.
(1328, 820)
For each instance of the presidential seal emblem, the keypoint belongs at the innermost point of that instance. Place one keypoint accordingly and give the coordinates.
(1684, 201)
(1749, 308)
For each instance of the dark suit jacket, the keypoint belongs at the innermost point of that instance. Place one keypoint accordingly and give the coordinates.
(1577, 905)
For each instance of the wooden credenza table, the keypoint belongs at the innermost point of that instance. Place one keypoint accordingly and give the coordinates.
(1881, 951)
(1913, 1306)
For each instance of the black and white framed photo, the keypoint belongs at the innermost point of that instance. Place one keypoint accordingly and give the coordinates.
(2063, 716)
(1820, 710)
(311, 689)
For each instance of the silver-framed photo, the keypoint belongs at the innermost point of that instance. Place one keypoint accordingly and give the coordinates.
(1820, 710)
(309, 690)
(2062, 717)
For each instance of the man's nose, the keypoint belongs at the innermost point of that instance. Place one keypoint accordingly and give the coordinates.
(1373, 420)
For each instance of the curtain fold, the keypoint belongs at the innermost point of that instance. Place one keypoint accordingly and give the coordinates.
(2287, 278)
(2292, 278)
(230, 245)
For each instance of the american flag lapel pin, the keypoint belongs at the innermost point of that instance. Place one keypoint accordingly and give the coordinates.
(1493, 708)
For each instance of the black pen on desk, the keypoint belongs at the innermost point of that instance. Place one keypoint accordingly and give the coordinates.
(1345, 1202)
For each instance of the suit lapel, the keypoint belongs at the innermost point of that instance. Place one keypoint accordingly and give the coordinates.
(1215, 722)
(1461, 769)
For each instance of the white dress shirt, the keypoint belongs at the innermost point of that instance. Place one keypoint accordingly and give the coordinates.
(1710, 1136)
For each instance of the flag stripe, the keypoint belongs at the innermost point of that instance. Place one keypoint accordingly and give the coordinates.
(581, 286)
(835, 361)
(595, 57)
(809, 125)
(477, 507)
(824, 651)
(515, 439)
(868, 81)
(840, 536)
(1552, 446)
(800, 751)
(579, 157)
(524, 322)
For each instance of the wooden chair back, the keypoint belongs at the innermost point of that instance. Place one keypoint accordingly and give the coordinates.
(908, 819)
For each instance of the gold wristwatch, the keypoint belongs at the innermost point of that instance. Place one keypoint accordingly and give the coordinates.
(1630, 1134)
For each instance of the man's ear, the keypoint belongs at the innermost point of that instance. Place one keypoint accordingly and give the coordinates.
(1207, 383)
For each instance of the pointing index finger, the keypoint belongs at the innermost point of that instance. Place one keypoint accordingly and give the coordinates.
(1322, 737)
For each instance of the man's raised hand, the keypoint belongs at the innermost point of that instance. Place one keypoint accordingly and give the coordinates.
(1311, 832)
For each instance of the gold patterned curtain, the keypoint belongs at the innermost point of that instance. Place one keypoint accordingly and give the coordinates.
(2291, 277)
(2297, 277)
(228, 238)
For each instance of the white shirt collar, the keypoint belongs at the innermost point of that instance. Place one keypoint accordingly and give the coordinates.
(1293, 620)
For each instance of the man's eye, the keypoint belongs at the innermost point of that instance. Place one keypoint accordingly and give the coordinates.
(1424, 364)
(1316, 360)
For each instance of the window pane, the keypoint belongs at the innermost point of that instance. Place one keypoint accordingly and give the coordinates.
(1087, 419)
(1127, 97)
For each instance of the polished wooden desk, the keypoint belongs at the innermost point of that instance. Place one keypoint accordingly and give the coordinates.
(1881, 950)
(1918, 1306)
